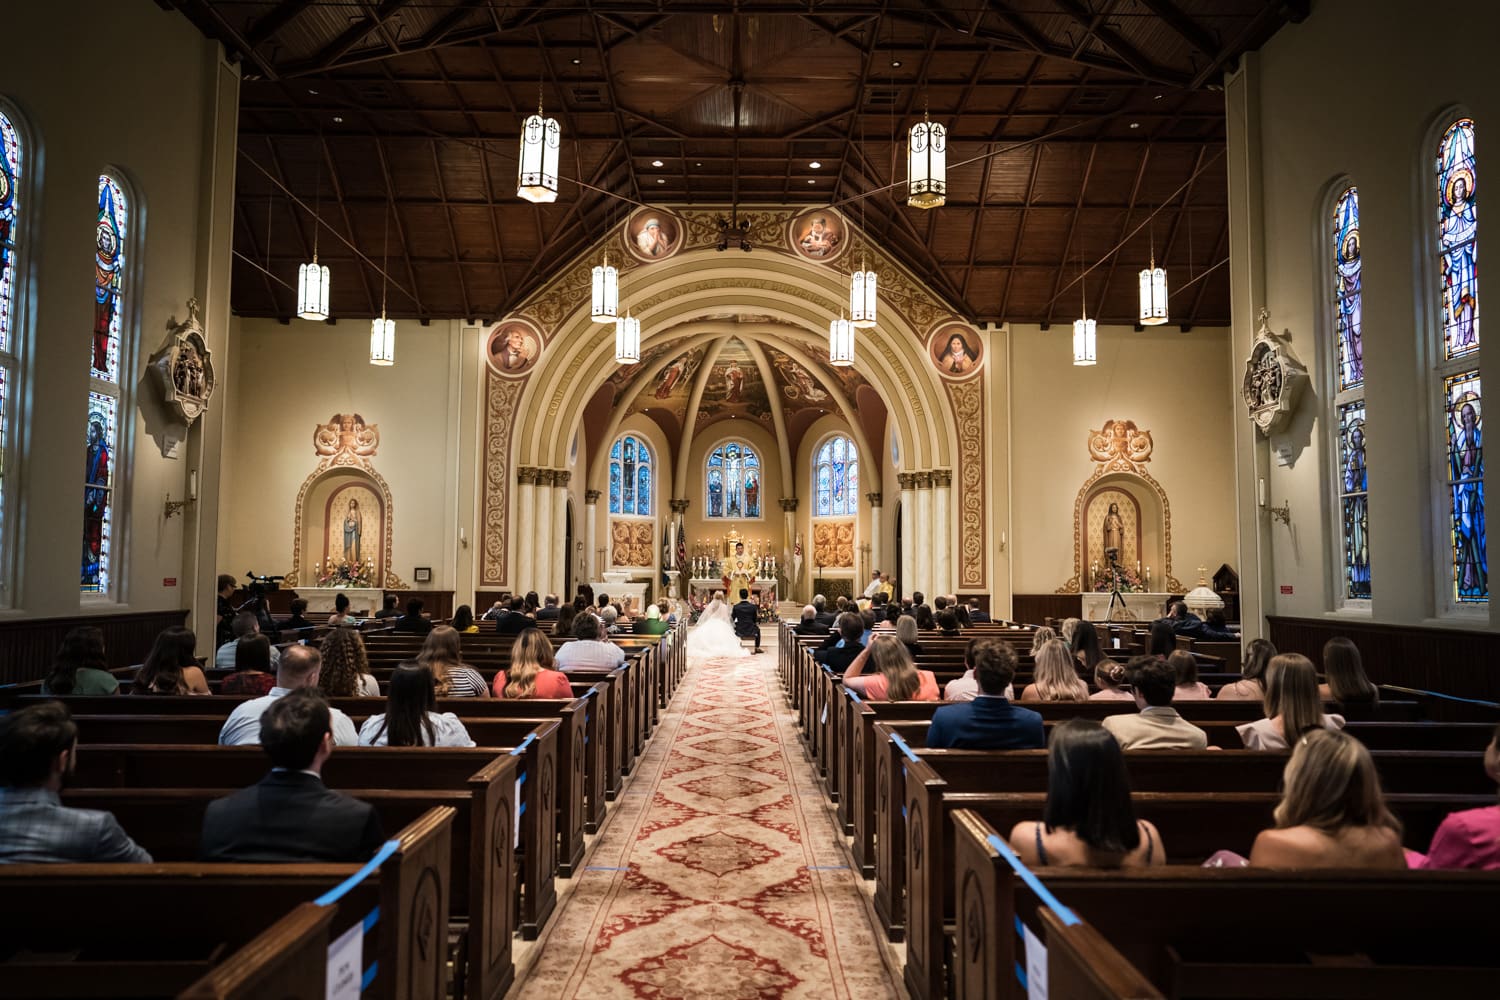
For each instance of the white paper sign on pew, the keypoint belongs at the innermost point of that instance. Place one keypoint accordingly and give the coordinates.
(1036, 966)
(346, 964)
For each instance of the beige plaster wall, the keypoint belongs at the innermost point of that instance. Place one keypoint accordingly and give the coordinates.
(1175, 385)
(102, 84)
(1370, 122)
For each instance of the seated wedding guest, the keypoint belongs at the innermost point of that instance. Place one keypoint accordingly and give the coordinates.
(895, 677)
(290, 815)
(939, 603)
(515, 620)
(533, 603)
(1252, 683)
(245, 623)
(1347, 683)
(1184, 622)
(80, 666)
(548, 611)
(1185, 666)
(966, 688)
(565, 616)
(388, 607)
(1040, 638)
(299, 669)
(989, 721)
(947, 623)
(604, 600)
(531, 673)
(1163, 640)
(586, 592)
(1089, 820)
(925, 620)
(652, 623)
(1069, 627)
(299, 615)
(496, 611)
(844, 644)
(413, 621)
(346, 666)
(1332, 812)
(1292, 705)
(1054, 676)
(442, 653)
(977, 615)
(172, 665)
(463, 620)
(38, 748)
(589, 650)
(906, 631)
(1471, 838)
(252, 668)
(1157, 726)
(888, 615)
(1086, 648)
(825, 617)
(1109, 678)
(610, 618)
(341, 615)
(809, 625)
(410, 718)
(874, 586)
(918, 599)
(961, 612)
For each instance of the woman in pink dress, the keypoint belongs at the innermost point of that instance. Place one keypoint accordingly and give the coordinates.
(1469, 839)
(896, 676)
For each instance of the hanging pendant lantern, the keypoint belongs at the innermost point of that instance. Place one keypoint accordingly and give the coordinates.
(862, 298)
(606, 305)
(536, 178)
(382, 341)
(1085, 342)
(1153, 295)
(841, 343)
(312, 290)
(627, 340)
(927, 164)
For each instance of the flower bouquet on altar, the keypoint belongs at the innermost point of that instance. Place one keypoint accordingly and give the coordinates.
(330, 573)
(1123, 578)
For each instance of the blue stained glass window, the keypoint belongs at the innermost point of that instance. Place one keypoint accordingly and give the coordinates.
(1466, 486)
(1348, 290)
(1354, 500)
(734, 486)
(1458, 229)
(836, 470)
(98, 492)
(109, 261)
(10, 176)
(102, 434)
(630, 476)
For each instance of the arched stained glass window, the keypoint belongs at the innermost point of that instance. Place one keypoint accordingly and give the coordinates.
(1351, 480)
(836, 478)
(630, 471)
(734, 485)
(12, 167)
(102, 431)
(1455, 176)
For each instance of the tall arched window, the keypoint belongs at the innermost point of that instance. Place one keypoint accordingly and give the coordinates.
(1458, 360)
(102, 430)
(630, 471)
(836, 478)
(1352, 480)
(12, 170)
(734, 481)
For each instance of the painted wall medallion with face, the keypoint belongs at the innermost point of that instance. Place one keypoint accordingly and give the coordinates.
(652, 235)
(819, 235)
(513, 347)
(956, 351)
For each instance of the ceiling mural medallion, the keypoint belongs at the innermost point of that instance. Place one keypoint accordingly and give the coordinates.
(1274, 378)
(956, 350)
(652, 234)
(513, 347)
(819, 236)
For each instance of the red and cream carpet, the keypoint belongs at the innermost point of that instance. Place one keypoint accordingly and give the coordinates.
(719, 873)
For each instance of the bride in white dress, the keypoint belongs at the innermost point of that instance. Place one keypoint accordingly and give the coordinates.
(714, 636)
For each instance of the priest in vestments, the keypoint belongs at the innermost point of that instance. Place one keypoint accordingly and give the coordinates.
(739, 571)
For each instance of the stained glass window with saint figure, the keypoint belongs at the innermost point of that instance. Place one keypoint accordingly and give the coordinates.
(98, 492)
(734, 486)
(102, 433)
(109, 262)
(1354, 501)
(1348, 289)
(836, 478)
(1465, 411)
(11, 165)
(1458, 228)
(630, 477)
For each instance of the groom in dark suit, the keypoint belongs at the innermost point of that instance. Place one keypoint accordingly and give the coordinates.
(746, 618)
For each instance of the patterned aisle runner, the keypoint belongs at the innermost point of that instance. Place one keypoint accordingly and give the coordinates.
(720, 873)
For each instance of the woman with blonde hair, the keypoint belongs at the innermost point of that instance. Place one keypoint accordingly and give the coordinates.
(1040, 638)
(442, 652)
(1109, 678)
(1054, 678)
(531, 674)
(1069, 626)
(906, 631)
(1332, 812)
(1292, 705)
(346, 667)
(896, 676)
(1252, 683)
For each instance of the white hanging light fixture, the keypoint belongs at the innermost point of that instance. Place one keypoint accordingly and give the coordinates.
(606, 298)
(1153, 292)
(382, 330)
(927, 164)
(841, 342)
(627, 340)
(312, 278)
(1085, 334)
(536, 176)
(862, 297)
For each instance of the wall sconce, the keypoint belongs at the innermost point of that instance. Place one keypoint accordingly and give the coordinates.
(172, 507)
(1282, 513)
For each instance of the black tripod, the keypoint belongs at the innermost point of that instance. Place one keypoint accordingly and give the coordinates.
(1115, 596)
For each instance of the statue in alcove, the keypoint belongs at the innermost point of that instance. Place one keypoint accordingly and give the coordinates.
(352, 532)
(1114, 529)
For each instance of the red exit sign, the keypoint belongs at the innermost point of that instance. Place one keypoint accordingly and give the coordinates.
(1286, 588)
(169, 581)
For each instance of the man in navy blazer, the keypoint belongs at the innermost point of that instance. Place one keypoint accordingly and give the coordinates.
(989, 722)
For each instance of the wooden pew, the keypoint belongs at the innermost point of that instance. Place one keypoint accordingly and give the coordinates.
(193, 915)
(288, 959)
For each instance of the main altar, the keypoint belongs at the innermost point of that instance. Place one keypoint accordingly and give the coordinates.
(715, 565)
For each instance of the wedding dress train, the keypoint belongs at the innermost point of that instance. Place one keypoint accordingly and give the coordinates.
(714, 636)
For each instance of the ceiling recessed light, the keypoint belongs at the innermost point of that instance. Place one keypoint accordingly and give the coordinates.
(577, 61)
(338, 120)
(311, 91)
(661, 180)
(698, 164)
(656, 163)
(896, 63)
(811, 181)
(1135, 124)
(815, 165)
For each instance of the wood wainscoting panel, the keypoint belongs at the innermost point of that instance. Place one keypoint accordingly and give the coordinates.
(1035, 609)
(27, 645)
(1449, 661)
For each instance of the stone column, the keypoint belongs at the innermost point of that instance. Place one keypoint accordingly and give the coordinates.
(924, 547)
(876, 549)
(561, 555)
(908, 482)
(541, 578)
(590, 527)
(525, 534)
(789, 526)
(942, 530)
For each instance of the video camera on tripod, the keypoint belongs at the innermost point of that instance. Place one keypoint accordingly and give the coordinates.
(259, 587)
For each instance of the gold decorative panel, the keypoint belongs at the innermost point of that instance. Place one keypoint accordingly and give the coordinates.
(967, 399)
(500, 399)
(632, 543)
(833, 544)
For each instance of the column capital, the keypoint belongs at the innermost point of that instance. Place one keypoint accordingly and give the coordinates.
(924, 480)
(680, 506)
(908, 480)
(789, 504)
(591, 497)
(562, 477)
(942, 478)
(874, 498)
(545, 477)
(526, 475)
